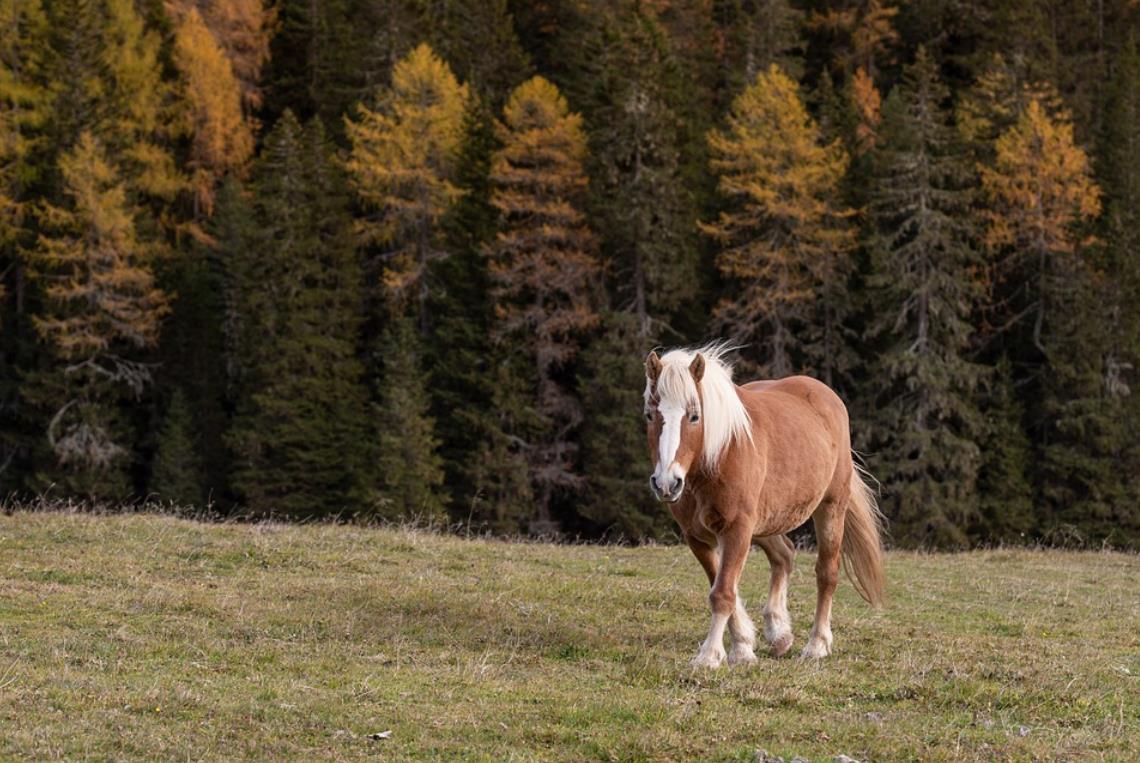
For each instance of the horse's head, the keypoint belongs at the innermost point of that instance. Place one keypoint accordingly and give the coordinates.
(673, 423)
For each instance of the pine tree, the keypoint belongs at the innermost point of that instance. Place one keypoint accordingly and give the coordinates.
(459, 352)
(299, 436)
(784, 236)
(102, 307)
(478, 39)
(1006, 510)
(640, 202)
(402, 165)
(613, 438)
(759, 33)
(927, 422)
(176, 476)
(542, 267)
(409, 466)
(1119, 166)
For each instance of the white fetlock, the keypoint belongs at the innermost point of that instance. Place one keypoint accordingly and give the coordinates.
(818, 645)
(709, 657)
(741, 654)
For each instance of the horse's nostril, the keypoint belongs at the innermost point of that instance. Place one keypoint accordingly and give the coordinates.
(653, 482)
(678, 485)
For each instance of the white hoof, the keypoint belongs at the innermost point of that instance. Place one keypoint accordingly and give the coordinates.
(741, 654)
(708, 658)
(816, 648)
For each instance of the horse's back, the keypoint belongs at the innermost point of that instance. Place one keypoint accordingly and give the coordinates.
(817, 395)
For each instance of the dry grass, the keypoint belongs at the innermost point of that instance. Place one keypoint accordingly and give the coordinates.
(145, 637)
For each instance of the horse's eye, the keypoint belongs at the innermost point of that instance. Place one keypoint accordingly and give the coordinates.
(649, 416)
(694, 418)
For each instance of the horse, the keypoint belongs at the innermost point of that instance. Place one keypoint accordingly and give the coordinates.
(748, 464)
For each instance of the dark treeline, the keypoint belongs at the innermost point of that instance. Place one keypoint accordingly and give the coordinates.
(403, 259)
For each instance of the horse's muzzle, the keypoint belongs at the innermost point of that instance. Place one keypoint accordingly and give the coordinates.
(673, 494)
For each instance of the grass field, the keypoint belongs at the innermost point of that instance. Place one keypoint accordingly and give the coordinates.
(152, 638)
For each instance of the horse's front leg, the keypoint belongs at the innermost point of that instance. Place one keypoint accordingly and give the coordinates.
(733, 543)
(740, 627)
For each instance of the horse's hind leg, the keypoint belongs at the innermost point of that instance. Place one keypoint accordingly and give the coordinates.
(828, 520)
(777, 623)
(740, 627)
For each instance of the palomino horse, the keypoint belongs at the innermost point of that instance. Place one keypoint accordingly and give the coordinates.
(745, 464)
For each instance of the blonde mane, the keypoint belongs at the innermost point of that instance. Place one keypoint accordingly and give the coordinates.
(726, 420)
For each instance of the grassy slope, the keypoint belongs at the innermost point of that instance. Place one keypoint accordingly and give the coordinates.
(153, 638)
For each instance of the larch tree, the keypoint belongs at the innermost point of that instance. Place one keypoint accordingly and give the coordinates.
(784, 236)
(1039, 188)
(861, 32)
(101, 309)
(543, 271)
(23, 111)
(1040, 193)
(927, 425)
(222, 136)
(300, 438)
(242, 29)
(402, 164)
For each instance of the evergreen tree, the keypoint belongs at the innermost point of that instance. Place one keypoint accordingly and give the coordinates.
(640, 199)
(477, 38)
(329, 55)
(175, 474)
(759, 33)
(459, 354)
(927, 422)
(402, 165)
(101, 308)
(1119, 166)
(613, 437)
(299, 437)
(542, 267)
(1006, 511)
(785, 235)
(409, 466)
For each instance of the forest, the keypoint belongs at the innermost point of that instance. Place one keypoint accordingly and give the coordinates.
(403, 259)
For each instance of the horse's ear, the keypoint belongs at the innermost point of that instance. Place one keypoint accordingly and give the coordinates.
(652, 366)
(697, 367)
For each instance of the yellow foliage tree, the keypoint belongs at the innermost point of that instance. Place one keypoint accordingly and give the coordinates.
(868, 110)
(402, 164)
(243, 29)
(785, 235)
(101, 303)
(543, 268)
(222, 135)
(1038, 189)
(864, 31)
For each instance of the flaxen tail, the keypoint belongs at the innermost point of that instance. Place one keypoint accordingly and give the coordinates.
(862, 540)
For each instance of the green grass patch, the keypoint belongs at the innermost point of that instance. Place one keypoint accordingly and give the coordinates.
(146, 637)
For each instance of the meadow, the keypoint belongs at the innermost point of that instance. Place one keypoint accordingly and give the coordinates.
(146, 637)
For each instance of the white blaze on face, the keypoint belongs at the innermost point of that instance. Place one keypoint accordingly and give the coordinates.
(667, 470)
